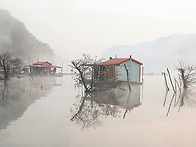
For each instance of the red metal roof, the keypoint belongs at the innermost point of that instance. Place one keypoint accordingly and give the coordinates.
(50, 66)
(117, 61)
(137, 61)
(40, 63)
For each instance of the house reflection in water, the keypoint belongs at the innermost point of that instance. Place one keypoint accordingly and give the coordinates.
(94, 106)
(19, 94)
(120, 97)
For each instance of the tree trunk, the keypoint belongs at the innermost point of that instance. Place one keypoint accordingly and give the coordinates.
(127, 77)
(5, 71)
(82, 77)
(183, 79)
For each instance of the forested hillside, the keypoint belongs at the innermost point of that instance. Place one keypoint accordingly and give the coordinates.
(15, 38)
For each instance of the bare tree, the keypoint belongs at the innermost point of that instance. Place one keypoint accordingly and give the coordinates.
(85, 67)
(9, 65)
(187, 79)
(93, 75)
(187, 75)
(5, 60)
(16, 66)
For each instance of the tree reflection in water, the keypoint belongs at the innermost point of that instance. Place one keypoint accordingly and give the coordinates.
(89, 112)
(92, 108)
(4, 96)
(186, 98)
(183, 88)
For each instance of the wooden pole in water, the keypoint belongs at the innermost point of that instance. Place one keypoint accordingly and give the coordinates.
(171, 80)
(167, 88)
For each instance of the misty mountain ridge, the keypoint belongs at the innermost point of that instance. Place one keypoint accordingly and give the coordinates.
(15, 38)
(159, 54)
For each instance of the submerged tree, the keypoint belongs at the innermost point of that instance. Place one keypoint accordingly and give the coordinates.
(85, 67)
(10, 66)
(5, 59)
(187, 79)
(94, 75)
(187, 75)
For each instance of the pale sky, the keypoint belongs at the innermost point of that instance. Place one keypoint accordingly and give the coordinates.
(73, 27)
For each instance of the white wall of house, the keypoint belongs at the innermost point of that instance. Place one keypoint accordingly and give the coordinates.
(122, 74)
(134, 71)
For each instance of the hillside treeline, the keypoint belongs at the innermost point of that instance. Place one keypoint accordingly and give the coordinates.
(15, 38)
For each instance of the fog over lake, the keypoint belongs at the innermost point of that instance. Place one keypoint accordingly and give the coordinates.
(53, 111)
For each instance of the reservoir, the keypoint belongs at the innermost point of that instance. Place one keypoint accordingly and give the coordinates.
(54, 111)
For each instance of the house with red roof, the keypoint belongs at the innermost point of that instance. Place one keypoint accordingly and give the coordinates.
(115, 68)
(43, 68)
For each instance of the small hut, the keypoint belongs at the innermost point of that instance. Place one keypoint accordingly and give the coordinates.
(43, 68)
(115, 68)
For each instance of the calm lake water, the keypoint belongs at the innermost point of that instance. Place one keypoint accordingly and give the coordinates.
(48, 112)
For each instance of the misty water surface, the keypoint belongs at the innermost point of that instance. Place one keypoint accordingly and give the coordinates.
(53, 111)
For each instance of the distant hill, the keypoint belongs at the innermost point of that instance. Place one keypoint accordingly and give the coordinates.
(159, 54)
(15, 37)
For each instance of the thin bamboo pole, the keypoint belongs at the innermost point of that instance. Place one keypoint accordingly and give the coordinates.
(171, 80)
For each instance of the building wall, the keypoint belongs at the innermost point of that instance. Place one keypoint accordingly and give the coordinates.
(40, 71)
(122, 74)
(134, 71)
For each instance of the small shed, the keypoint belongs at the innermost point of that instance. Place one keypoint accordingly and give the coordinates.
(115, 68)
(43, 68)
